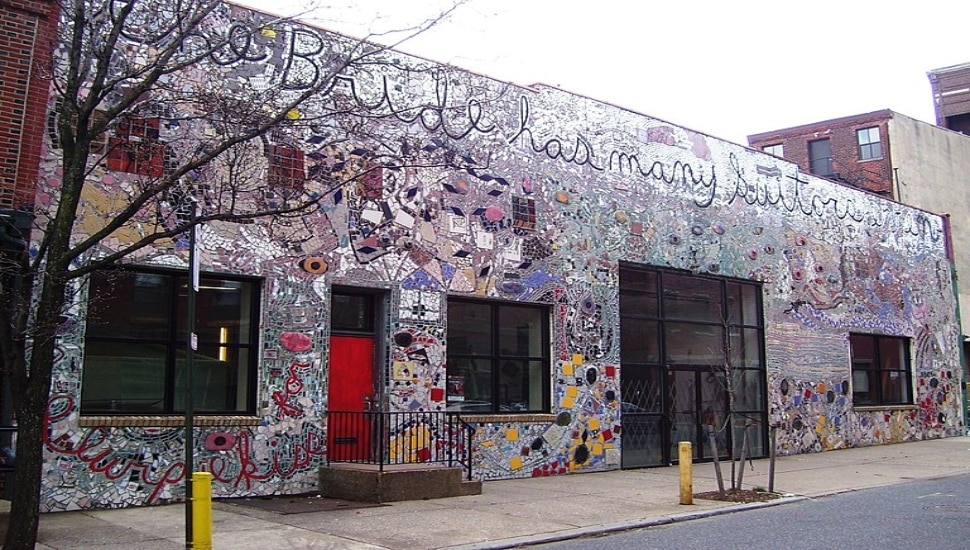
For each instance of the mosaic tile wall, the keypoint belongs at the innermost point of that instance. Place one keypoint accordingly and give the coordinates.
(533, 195)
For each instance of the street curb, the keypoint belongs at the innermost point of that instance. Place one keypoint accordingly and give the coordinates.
(595, 530)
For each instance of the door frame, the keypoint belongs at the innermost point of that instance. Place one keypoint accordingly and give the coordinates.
(377, 331)
(359, 429)
(699, 438)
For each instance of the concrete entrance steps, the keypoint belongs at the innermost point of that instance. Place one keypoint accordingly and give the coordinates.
(397, 482)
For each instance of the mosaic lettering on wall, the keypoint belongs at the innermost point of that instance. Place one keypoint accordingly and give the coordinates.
(479, 188)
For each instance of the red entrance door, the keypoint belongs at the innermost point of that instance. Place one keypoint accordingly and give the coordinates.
(351, 386)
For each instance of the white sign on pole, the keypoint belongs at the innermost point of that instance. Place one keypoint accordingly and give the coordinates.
(195, 252)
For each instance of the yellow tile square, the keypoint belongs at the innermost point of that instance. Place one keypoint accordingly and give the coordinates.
(512, 435)
(572, 391)
(577, 358)
(567, 369)
(515, 462)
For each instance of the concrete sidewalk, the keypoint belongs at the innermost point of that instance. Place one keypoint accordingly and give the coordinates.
(511, 512)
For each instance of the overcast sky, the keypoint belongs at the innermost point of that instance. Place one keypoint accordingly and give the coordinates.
(724, 68)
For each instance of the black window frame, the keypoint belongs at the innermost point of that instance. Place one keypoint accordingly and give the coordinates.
(820, 165)
(654, 300)
(872, 372)
(174, 343)
(869, 149)
(496, 358)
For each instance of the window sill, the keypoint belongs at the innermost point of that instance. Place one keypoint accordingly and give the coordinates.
(165, 421)
(514, 417)
(881, 408)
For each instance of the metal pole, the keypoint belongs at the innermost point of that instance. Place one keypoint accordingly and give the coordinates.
(192, 345)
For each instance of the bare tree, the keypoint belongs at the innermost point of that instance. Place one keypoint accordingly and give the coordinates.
(176, 94)
(735, 422)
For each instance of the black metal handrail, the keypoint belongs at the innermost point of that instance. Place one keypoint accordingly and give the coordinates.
(392, 438)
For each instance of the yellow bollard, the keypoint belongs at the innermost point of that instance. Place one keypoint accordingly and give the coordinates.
(202, 511)
(686, 456)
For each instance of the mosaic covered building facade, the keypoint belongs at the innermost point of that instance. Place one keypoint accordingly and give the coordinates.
(631, 280)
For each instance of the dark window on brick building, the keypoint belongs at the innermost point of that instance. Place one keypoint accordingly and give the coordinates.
(820, 157)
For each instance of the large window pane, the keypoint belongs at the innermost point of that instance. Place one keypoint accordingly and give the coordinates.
(520, 385)
(520, 331)
(864, 384)
(863, 350)
(743, 304)
(469, 328)
(639, 340)
(223, 310)
(643, 437)
(891, 354)
(219, 376)
(756, 436)
(691, 298)
(127, 304)
(642, 390)
(745, 347)
(690, 344)
(498, 357)
(136, 344)
(748, 388)
(470, 384)
(638, 292)
(123, 378)
(895, 387)
(820, 157)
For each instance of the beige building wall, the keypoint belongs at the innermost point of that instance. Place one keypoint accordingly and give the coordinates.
(932, 172)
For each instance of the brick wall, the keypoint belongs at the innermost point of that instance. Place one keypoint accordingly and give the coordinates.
(26, 41)
(872, 175)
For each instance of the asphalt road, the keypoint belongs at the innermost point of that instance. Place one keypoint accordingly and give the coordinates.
(920, 514)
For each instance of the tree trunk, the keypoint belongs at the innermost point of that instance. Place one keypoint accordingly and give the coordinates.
(25, 509)
(30, 405)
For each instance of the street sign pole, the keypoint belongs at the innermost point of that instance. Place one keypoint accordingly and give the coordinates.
(191, 347)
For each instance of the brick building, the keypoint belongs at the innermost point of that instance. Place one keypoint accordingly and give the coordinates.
(29, 32)
(951, 95)
(30, 28)
(852, 150)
